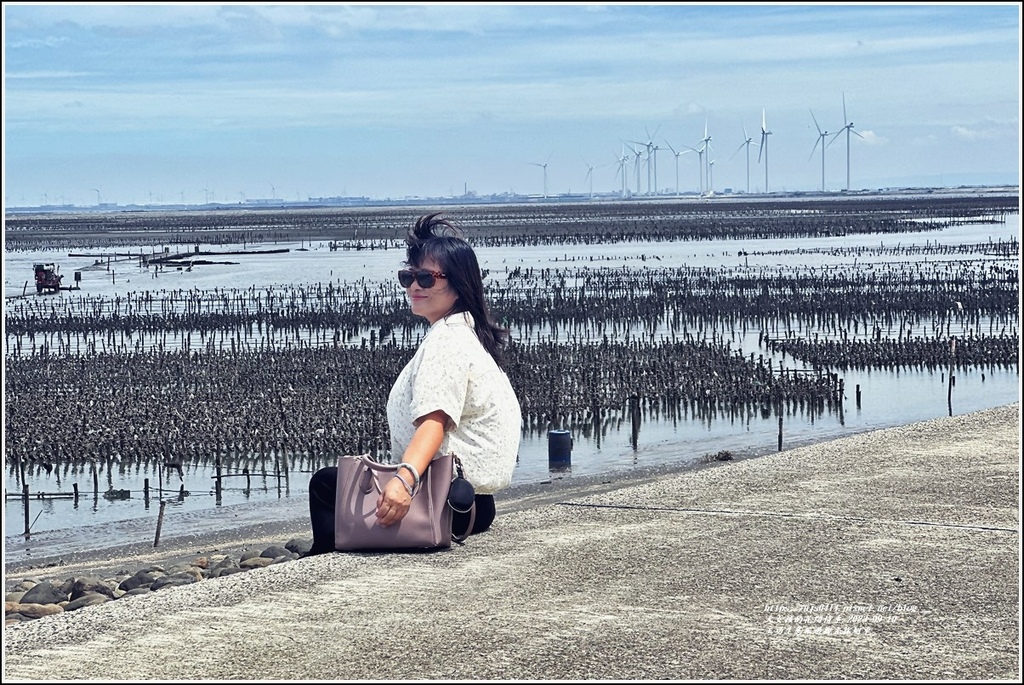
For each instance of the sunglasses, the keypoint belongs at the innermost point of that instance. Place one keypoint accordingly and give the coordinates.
(425, 277)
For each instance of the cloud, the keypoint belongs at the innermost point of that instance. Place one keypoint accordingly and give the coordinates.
(487, 82)
(46, 75)
(977, 133)
(871, 138)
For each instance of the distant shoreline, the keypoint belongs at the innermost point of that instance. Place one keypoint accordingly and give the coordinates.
(453, 202)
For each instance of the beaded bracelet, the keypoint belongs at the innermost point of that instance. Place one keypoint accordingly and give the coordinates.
(408, 488)
(415, 476)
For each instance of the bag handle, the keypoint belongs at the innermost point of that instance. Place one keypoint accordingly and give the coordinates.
(367, 483)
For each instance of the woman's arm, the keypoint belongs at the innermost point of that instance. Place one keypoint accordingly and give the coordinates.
(393, 503)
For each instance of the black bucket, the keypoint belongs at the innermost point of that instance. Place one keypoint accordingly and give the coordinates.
(559, 448)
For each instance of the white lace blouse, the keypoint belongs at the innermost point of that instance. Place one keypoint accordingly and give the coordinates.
(452, 371)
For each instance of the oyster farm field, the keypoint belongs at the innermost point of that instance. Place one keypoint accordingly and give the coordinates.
(198, 365)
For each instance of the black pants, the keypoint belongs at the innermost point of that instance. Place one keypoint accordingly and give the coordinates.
(323, 487)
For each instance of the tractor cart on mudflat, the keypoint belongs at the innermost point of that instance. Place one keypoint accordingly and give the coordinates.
(47, 278)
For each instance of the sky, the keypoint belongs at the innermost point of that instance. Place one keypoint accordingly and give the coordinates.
(160, 103)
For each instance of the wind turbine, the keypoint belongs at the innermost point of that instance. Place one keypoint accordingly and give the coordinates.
(700, 166)
(848, 127)
(764, 148)
(638, 151)
(746, 142)
(622, 162)
(821, 139)
(544, 166)
(590, 178)
(711, 177)
(677, 155)
(636, 164)
(652, 155)
(705, 147)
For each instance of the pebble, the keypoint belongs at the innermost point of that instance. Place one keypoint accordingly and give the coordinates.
(36, 597)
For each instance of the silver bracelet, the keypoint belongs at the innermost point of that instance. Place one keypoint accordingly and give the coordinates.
(415, 476)
(408, 488)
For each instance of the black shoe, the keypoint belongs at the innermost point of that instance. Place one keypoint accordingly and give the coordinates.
(314, 551)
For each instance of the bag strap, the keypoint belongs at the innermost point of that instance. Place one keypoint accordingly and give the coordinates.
(469, 529)
(472, 508)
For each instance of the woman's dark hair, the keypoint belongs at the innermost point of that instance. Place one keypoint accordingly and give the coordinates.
(439, 239)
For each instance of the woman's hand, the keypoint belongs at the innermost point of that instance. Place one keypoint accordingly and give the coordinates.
(396, 498)
(393, 503)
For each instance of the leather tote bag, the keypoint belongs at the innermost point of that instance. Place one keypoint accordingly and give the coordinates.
(428, 525)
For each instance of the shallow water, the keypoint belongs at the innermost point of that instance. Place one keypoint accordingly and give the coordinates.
(60, 526)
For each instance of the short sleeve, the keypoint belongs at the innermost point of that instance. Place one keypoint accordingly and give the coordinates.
(441, 378)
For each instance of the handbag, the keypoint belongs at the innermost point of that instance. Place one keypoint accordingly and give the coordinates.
(428, 523)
